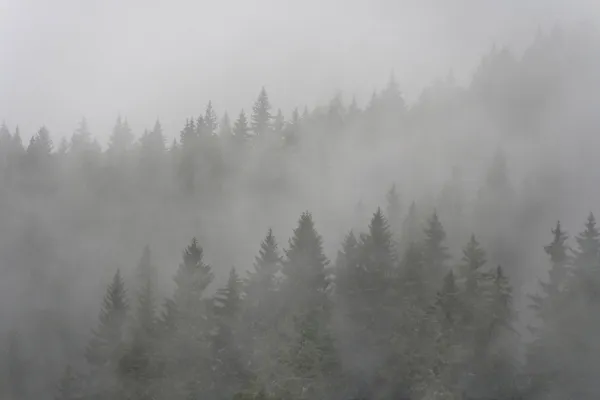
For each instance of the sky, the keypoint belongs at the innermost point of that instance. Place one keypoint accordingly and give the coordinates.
(61, 60)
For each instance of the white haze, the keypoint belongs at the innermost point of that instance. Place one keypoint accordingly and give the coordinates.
(64, 59)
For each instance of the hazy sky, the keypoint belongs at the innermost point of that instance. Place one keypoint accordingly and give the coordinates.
(62, 59)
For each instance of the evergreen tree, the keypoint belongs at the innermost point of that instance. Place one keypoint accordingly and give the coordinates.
(411, 231)
(545, 304)
(187, 350)
(210, 120)
(434, 250)
(105, 348)
(240, 128)
(139, 367)
(394, 211)
(586, 263)
(305, 262)
(225, 130)
(261, 116)
(310, 358)
(231, 374)
(121, 138)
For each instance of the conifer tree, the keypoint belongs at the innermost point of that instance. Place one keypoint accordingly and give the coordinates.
(201, 128)
(225, 130)
(304, 266)
(231, 374)
(121, 138)
(411, 231)
(81, 140)
(588, 246)
(278, 124)
(105, 348)
(240, 128)
(310, 357)
(434, 250)
(586, 263)
(262, 281)
(139, 366)
(187, 351)
(545, 303)
(210, 120)
(261, 115)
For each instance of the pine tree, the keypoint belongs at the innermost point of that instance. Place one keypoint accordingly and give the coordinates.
(378, 251)
(586, 263)
(188, 135)
(588, 246)
(545, 303)
(139, 366)
(121, 139)
(186, 352)
(435, 251)
(305, 262)
(106, 339)
(310, 358)
(105, 348)
(210, 120)
(267, 264)
(394, 211)
(40, 146)
(81, 140)
(231, 374)
(279, 124)
(473, 260)
(225, 130)
(240, 128)
(261, 116)
(201, 128)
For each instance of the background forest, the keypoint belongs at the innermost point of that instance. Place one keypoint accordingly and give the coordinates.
(343, 251)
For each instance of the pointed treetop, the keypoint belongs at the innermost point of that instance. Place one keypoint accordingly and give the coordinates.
(261, 116)
(210, 120)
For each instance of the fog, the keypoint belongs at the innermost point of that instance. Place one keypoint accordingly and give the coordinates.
(65, 59)
(412, 226)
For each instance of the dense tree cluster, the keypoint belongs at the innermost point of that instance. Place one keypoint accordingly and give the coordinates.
(421, 296)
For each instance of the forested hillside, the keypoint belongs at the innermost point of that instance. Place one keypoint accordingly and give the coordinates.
(383, 250)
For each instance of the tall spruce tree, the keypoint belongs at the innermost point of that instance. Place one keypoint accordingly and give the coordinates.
(105, 348)
(310, 358)
(261, 114)
(435, 252)
(241, 129)
(187, 320)
(210, 120)
(230, 372)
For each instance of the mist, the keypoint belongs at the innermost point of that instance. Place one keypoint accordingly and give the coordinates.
(317, 200)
